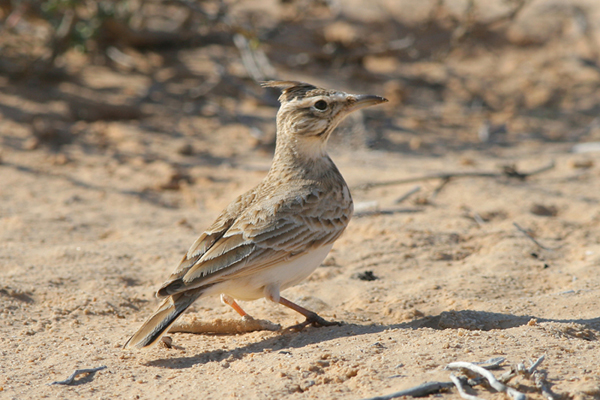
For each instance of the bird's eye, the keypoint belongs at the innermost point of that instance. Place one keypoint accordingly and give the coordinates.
(321, 105)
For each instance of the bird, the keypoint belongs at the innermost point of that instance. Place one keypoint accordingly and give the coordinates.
(275, 235)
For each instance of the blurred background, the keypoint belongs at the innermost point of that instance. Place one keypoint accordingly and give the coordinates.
(150, 80)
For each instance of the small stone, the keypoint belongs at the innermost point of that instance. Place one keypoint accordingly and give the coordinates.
(186, 149)
(582, 164)
(60, 159)
(365, 276)
(167, 342)
(544, 211)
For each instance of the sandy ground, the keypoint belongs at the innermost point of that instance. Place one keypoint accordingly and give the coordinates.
(83, 249)
(91, 227)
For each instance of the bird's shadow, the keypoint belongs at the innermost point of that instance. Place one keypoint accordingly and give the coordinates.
(466, 319)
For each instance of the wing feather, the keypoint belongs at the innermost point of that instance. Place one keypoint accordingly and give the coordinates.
(226, 244)
(258, 236)
(274, 230)
(212, 265)
(279, 241)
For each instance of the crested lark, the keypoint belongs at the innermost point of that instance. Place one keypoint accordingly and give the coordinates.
(278, 233)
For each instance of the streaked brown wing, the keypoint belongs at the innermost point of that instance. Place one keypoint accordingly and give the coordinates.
(207, 240)
(264, 235)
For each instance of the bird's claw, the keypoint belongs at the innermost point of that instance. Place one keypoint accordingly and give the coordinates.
(314, 320)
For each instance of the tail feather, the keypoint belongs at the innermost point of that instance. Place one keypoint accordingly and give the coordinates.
(162, 319)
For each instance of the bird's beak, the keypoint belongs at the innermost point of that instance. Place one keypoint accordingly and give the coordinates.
(358, 101)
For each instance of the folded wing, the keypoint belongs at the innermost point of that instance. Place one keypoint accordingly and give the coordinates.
(258, 238)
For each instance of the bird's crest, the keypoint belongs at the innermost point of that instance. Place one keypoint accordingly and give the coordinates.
(290, 89)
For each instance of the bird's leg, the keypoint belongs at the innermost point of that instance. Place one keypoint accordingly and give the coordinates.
(248, 324)
(230, 301)
(312, 318)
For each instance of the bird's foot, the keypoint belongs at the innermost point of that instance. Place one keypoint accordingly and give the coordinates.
(312, 319)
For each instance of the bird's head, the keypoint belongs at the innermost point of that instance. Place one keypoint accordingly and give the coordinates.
(308, 114)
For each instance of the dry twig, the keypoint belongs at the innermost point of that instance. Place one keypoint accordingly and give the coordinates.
(540, 382)
(423, 389)
(528, 235)
(427, 388)
(536, 364)
(492, 363)
(481, 369)
(515, 394)
(387, 211)
(509, 172)
(439, 188)
(254, 59)
(461, 390)
(71, 378)
(388, 47)
(406, 195)
(508, 375)
(478, 219)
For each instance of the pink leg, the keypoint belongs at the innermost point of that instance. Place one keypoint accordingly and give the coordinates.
(230, 301)
(312, 318)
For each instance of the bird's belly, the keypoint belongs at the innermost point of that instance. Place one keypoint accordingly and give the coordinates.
(284, 275)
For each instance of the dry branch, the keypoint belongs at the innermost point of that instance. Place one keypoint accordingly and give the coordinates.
(481, 369)
(509, 172)
(428, 388)
(540, 382)
(536, 364)
(406, 195)
(478, 219)
(492, 363)
(423, 389)
(495, 383)
(528, 235)
(388, 47)
(461, 390)
(387, 211)
(71, 378)
(439, 188)
(254, 59)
